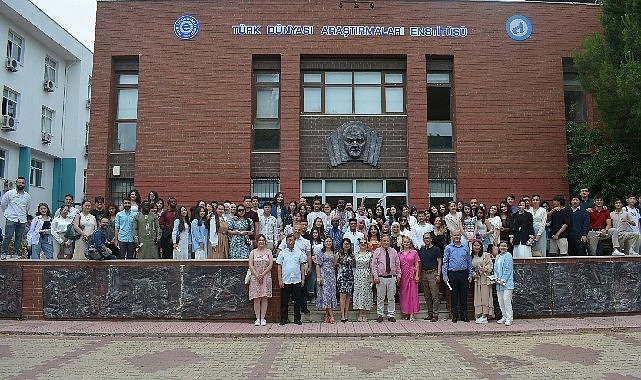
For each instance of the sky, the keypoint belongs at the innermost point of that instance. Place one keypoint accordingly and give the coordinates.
(78, 17)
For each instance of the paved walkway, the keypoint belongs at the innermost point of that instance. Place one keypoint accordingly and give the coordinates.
(355, 329)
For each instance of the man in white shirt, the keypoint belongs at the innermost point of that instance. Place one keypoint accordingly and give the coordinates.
(303, 245)
(268, 226)
(316, 213)
(353, 235)
(421, 228)
(632, 209)
(622, 235)
(72, 208)
(15, 205)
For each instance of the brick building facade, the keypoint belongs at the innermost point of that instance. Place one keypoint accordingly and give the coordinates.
(470, 98)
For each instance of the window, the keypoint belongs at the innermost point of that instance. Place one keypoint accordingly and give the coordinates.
(439, 105)
(35, 177)
(126, 111)
(9, 102)
(393, 192)
(267, 113)
(50, 69)
(574, 95)
(89, 93)
(15, 46)
(442, 190)
(353, 92)
(3, 163)
(46, 123)
(265, 188)
(119, 189)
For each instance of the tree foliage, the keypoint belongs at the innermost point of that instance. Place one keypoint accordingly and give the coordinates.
(610, 70)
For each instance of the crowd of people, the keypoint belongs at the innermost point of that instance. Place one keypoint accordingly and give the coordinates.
(337, 256)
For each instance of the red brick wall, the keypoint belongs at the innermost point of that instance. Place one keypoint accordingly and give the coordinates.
(195, 103)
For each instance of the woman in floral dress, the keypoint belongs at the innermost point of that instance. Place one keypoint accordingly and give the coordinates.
(240, 227)
(363, 297)
(345, 276)
(410, 276)
(326, 279)
(260, 282)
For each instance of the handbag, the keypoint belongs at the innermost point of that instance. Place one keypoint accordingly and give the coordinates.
(248, 276)
(71, 233)
(491, 279)
(93, 253)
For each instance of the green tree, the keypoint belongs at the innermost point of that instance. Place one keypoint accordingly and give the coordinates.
(609, 69)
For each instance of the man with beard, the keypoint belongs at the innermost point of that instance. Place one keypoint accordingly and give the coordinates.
(15, 205)
(166, 221)
(146, 232)
(124, 224)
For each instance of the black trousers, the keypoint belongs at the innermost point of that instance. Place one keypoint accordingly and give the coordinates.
(166, 245)
(458, 282)
(294, 291)
(576, 247)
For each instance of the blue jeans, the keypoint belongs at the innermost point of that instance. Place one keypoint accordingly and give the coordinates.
(13, 230)
(45, 245)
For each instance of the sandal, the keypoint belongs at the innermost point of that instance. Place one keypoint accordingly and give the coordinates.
(326, 319)
(331, 320)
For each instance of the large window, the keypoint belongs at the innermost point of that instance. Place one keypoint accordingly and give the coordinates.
(392, 191)
(574, 95)
(9, 102)
(46, 121)
(50, 69)
(439, 105)
(15, 46)
(126, 111)
(353, 92)
(267, 112)
(37, 169)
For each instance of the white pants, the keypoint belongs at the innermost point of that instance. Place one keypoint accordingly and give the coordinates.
(522, 251)
(505, 303)
(200, 254)
(559, 246)
(386, 287)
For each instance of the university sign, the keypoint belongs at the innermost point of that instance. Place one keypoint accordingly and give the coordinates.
(350, 30)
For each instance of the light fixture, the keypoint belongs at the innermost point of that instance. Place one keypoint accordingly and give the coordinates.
(355, 5)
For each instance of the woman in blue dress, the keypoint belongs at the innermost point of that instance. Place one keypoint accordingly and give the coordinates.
(345, 276)
(326, 279)
(240, 229)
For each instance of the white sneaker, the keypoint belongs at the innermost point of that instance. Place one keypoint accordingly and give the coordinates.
(263, 322)
(508, 323)
(616, 252)
(501, 321)
(481, 319)
(634, 253)
(257, 322)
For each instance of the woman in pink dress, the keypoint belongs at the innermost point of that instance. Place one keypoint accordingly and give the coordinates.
(410, 276)
(260, 282)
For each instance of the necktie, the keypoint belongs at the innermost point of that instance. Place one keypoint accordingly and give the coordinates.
(388, 266)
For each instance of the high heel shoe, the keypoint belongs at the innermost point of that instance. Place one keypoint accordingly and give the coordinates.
(331, 320)
(326, 319)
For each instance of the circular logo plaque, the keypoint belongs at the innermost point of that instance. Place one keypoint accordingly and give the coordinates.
(186, 27)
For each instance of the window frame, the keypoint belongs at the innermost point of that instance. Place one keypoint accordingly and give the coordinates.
(12, 36)
(36, 174)
(271, 124)
(446, 85)
(355, 196)
(124, 121)
(3, 163)
(7, 101)
(44, 117)
(323, 86)
(51, 72)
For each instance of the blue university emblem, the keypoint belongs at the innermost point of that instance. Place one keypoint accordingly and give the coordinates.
(518, 27)
(186, 27)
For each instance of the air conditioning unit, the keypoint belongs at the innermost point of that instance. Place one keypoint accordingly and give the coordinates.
(46, 137)
(12, 64)
(88, 103)
(8, 123)
(49, 85)
(7, 184)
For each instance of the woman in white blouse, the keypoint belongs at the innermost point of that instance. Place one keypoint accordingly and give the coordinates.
(62, 247)
(539, 219)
